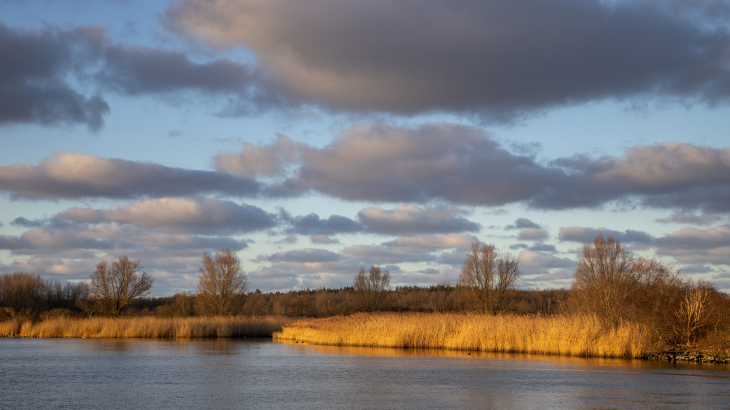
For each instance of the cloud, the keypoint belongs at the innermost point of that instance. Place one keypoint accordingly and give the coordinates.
(288, 239)
(497, 58)
(51, 239)
(452, 162)
(541, 247)
(308, 255)
(668, 175)
(434, 241)
(312, 224)
(690, 219)
(66, 175)
(412, 219)
(181, 215)
(693, 238)
(323, 240)
(579, 234)
(464, 165)
(379, 255)
(26, 223)
(33, 77)
(523, 223)
(533, 259)
(412, 249)
(532, 235)
(255, 160)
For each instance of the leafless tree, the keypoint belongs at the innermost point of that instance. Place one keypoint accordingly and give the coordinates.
(115, 287)
(617, 286)
(488, 276)
(222, 284)
(370, 287)
(693, 312)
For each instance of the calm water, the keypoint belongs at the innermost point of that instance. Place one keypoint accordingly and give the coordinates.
(220, 374)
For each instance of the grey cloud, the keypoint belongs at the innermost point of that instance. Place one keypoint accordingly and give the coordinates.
(308, 255)
(26, 223)
(694, 239)
(379, 255)
(33, 84)
(12, 243)
(580, 234)
(411, 219)
(433, 241)
(668, 175)
(66, 175)
(497, 58)
(288, 239)
(523, 223)
(541, 247)
(698, 269)
(690, 219)
(49, 240)
(519, 246)
(532, 235)
(464, 165)
(533, 259)
(438, 161)
(188, 215)
(255, 160)
(323, 239)
(312, 224)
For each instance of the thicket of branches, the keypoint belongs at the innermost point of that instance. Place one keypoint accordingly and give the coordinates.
(29, 295)
(618, 287)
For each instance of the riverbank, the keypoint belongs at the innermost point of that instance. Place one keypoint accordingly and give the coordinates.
(559, 335)
(145, 327)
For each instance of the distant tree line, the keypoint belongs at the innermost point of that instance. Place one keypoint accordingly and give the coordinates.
(610, 282)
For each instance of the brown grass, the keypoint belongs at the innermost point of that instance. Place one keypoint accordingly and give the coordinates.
(562, 335)
(145, 327)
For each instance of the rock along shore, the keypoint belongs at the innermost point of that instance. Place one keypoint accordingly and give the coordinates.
(691, 356)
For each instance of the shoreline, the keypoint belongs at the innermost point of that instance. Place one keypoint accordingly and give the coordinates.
(557, 335)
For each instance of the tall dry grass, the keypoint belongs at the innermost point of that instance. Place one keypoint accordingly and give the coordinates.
(562, 335)
(145, 327)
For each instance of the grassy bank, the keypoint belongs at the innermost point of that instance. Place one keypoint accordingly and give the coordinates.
(562, 335)
(145, 327)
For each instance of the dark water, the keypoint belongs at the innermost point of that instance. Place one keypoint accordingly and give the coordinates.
(223, 374)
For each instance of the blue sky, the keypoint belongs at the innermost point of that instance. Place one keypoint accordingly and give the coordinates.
(316, 137)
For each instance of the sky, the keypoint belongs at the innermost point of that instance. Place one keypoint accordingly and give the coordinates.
(315, 137)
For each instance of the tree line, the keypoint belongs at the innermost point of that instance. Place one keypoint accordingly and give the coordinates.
(610, 282)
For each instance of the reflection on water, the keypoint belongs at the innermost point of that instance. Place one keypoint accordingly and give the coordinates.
(131, 374)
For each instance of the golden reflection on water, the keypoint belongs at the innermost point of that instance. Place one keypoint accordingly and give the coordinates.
(527, 361)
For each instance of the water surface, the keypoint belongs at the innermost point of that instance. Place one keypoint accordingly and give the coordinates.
(218, 374)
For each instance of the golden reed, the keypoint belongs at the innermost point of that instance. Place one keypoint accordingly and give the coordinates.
(145, 327)
(562, 335)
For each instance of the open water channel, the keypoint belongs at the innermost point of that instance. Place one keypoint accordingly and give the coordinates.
(230, 374)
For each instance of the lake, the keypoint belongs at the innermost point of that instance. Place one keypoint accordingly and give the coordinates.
(224, 374)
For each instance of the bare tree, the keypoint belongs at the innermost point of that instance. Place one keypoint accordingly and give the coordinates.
(222, 284)
(370, 287)
(693, 311)
(488, 276)
(115, 287)
(604, 278)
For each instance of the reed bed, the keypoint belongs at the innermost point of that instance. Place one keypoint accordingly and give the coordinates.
(145, 327)
(560, 335)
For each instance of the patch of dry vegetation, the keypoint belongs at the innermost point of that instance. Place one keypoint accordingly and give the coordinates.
(145, 327)
(583, 335)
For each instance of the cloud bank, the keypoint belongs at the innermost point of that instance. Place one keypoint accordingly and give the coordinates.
(496, 58)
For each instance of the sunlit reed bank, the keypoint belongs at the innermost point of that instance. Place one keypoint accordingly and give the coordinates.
(563, 335)
(145, 327)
